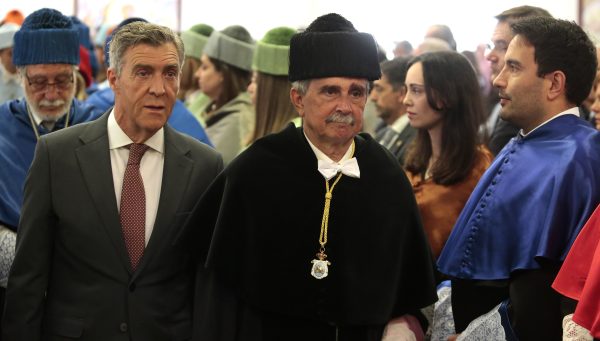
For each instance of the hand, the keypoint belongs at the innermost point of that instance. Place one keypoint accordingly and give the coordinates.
(453, 337)
(404, 328)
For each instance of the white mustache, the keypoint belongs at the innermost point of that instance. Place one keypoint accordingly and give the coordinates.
(338, 117)
(48, 103)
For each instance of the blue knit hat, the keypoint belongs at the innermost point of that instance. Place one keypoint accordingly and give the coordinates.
(46, 37)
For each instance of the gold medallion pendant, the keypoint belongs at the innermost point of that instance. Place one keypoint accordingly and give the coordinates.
(320, 267)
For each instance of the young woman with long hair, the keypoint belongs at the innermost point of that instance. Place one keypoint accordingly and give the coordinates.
(446, 158)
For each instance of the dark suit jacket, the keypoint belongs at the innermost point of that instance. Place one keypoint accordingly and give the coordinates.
(503, 132)
(396, 142)
(71, 277)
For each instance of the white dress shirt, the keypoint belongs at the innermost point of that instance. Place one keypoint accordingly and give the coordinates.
(321, 156)
(151, 167)
(400, 123)
(570, 111)
(328, 168)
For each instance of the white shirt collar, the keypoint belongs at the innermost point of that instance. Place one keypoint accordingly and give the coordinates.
(117, 137)
(400, 123)
(321, 156)
(570, 111)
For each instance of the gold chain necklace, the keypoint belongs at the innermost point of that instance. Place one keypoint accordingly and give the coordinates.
(320, 265)
(34, 126)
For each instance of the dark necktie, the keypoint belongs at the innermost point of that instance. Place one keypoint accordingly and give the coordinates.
(133, 205)
(48, 125)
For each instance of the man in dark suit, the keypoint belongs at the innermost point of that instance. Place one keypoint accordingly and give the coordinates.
(100, 252)
(388, 94)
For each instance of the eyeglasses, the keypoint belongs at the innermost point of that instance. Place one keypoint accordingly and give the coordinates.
(61, 82)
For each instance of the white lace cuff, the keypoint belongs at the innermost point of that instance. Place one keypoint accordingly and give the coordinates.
(485, 327)
(443, 321)
(574, 332)
(8, 240)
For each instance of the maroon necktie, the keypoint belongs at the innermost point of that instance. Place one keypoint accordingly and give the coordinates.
(133, 205)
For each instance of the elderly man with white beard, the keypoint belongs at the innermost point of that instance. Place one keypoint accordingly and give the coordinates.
(46, 53)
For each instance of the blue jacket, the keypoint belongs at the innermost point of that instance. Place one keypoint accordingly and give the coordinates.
(532, 202)
(17, 145)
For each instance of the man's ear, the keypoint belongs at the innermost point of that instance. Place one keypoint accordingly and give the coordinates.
(401, 94)
(297, 101)
(111, 75)
(557, 82)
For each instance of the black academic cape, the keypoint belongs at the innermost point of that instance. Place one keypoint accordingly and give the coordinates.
(266, 210)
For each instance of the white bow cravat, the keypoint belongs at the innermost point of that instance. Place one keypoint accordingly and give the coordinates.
(348, 167)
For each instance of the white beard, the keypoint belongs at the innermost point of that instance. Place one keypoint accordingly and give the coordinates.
(62, 106)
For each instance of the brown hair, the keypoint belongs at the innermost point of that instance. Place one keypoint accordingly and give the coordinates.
(189, 82)
(235, 81)
(80, 87)
(450, 80)
(521, 12)
(274, 109)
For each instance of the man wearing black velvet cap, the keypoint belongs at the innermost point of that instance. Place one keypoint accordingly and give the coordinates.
(293, 235)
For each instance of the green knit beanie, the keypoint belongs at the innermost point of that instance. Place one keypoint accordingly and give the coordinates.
(202, 29)
(272, 52)
(195, 39)
(233, 46)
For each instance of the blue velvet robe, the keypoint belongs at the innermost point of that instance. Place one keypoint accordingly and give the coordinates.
(532, 202)
(17, 145)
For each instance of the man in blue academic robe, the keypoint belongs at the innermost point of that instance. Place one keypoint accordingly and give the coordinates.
(520, 221)
(46, 56)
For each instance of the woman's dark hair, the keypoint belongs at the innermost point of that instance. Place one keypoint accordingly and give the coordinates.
(452, 89)
(235, 81)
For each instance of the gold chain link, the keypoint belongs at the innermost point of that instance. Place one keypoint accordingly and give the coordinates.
(328, 197)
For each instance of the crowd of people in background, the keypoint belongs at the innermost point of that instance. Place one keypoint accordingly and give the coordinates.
(211, 185)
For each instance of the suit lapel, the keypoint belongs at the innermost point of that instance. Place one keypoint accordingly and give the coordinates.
(407, 133)
(176, 175)
(94, 159)
(401, 142)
